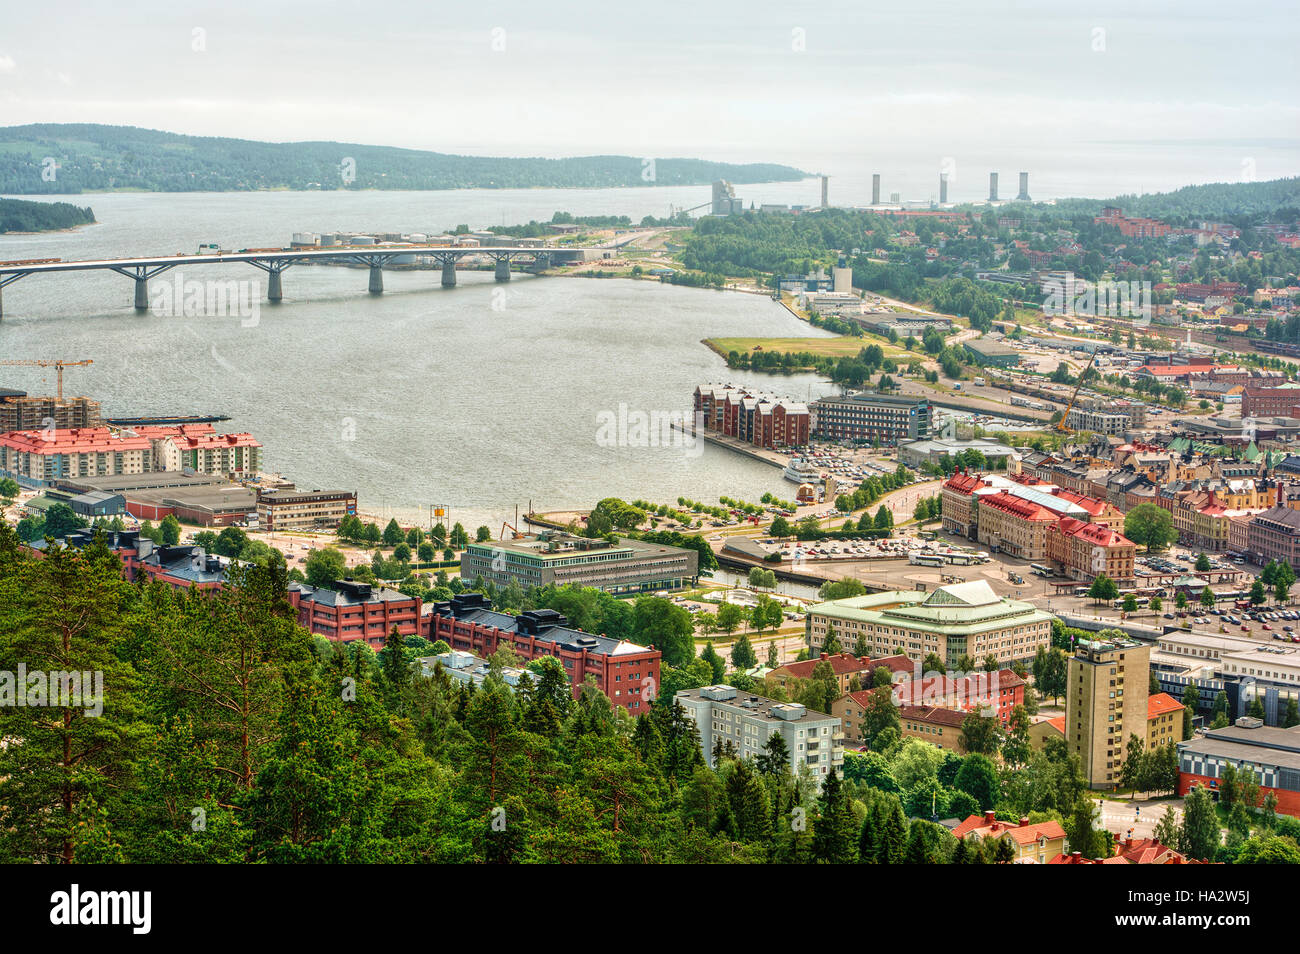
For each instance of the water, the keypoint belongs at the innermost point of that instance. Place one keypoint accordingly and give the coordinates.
(418, 397)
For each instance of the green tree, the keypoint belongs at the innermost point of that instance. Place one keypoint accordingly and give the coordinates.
(1202, 563)
(171, 530)
(978, 778)
(1150, 526)
(1103, 589)
(743, 656)
(324, 567)
(1199, 837)
(393, 534)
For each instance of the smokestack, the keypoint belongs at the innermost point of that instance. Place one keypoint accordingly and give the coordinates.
(1024, 188)
(993, 187)
(875, 189)
(826, 190)
(943, 188)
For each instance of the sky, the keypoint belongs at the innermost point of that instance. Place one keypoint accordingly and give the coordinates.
(806, 83)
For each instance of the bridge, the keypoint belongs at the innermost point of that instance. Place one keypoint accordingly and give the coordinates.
(274, 262)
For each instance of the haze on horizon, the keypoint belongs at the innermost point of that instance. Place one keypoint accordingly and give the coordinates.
(809, 84)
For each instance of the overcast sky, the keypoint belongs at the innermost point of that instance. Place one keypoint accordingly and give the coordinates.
(793, 82)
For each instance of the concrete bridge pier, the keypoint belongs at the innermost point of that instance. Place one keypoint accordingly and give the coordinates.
(449, 273)
(376, 280)
(503, 269)
(142, 294)
(274, 292)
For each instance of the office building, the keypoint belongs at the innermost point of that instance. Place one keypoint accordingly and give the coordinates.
(959, 619)
(1023, 195)
(349, 611)
(555, 557)
(870, 418)
(288, 509)
(1270, 755)
(628, 674)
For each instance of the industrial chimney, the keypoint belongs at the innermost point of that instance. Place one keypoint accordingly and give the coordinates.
(1024, 188)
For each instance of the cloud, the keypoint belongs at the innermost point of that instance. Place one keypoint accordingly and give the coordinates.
(7, 64)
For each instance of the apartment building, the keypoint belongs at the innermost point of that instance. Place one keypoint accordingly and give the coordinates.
(1105, 703)
(39, 458)
(1083, 551)
(1012, 525)
(1164, 720)
(20, 411)
(724, 715)
(1275, 535)
(756, 418)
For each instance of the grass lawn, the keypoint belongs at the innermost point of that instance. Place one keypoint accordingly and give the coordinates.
(836, 347)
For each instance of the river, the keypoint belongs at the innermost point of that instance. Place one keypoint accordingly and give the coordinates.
(481, 397)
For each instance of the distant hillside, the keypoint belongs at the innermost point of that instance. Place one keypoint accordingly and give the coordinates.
(17, 215)
(94, 158)
(1242, 203)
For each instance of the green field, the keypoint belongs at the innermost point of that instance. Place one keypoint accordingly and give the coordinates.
(836, 347)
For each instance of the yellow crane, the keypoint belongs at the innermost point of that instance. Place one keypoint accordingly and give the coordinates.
(57, 365)
(1061, 425)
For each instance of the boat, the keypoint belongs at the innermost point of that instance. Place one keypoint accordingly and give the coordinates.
(801, 471)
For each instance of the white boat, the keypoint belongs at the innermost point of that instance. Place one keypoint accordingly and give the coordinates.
(801, 471)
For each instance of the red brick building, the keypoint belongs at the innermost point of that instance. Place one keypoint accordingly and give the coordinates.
(755, 418)
(1268, 402)
(625, 672)
(353, 611)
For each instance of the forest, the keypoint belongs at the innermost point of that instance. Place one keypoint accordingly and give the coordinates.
(19, 215)
(90, 157)
(217, 730)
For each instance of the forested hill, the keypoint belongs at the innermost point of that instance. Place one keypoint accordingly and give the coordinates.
(92, 157)
(18, 215)
(1243, 203)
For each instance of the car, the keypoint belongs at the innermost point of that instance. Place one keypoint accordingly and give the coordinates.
(1169, 616)
(1245, 629)
(1281, 636)
(1267, 628)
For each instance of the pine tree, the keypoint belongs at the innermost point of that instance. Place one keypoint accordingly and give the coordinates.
(69, 612)
(833, 835)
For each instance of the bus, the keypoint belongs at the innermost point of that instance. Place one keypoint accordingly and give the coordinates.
(924, 559)
(1042, 570)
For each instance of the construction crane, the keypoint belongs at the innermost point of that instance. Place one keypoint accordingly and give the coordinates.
(58, 365)
(1061, 425)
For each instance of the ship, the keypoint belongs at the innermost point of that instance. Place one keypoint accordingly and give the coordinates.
(801, 471)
